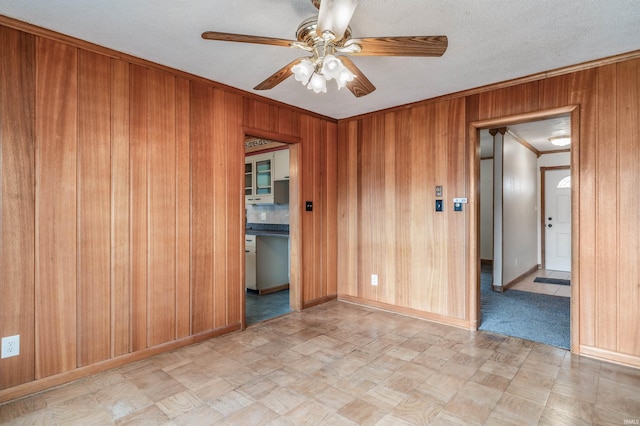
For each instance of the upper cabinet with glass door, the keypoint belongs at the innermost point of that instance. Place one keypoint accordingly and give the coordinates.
(258, 179)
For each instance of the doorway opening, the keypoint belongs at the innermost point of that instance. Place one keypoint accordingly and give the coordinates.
(523, 290)
(270, 287)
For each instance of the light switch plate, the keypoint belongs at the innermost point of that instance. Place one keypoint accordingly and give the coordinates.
(439, 191)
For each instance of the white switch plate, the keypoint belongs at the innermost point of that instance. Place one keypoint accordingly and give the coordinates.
(460, 200)
(374, 279)
(10, 346)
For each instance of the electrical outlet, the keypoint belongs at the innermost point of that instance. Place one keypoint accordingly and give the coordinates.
(263, 215)
(10, 346)
(374, 279)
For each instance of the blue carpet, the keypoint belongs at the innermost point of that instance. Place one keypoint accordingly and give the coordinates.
(538, 317)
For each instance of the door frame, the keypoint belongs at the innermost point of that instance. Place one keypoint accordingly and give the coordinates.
(473, 255)
(543, 202)
(295, 217)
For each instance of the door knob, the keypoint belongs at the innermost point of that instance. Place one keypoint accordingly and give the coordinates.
(549, 225)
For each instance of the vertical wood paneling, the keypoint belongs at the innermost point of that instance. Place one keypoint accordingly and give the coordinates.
(235, 222)
(183, 192)
(404, 146)
(628, 171)
(56, 192)
(347, 200)
(202, 231)
(138, 205)
(388, 290)
(288, 122)
(318, 283)
(438, 240)
(606, 213)
(457, 229)
(17, 202)
(161, 208)
(371, 168)
(508, 101)
(331, 213)
(309, 255)
(554, 92)
(420, 210)
(220, 165)
(120, 173)
(94, 212)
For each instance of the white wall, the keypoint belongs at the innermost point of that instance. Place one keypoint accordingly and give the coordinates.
(486, 209)
(547, 160)
(520, 212)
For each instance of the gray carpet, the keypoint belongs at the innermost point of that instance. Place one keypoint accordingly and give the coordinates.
(538, 317)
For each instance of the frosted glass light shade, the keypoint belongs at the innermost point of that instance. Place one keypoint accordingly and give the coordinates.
(563, 140)
(344, 77)
(303, 70)
(317, 83)
(331, 67)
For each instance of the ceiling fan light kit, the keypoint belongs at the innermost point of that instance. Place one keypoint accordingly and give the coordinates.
(330, 35)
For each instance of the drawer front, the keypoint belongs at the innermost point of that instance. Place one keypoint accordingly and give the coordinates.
(249, 240)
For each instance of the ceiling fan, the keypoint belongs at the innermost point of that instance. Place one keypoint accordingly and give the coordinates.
(327, 38)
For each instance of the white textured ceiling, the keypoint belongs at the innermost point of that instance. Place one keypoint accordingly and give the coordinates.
(489, 40)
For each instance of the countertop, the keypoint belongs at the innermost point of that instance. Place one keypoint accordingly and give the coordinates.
(267, 230)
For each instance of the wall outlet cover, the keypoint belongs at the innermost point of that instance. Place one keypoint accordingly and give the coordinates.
(10, 346)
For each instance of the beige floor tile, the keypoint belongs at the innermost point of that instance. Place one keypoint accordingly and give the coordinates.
(151, 415)
(362, 412)
(351, 366)
(179, 403)
(283, 400)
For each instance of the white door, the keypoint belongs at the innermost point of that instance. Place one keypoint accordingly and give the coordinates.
(557, 219)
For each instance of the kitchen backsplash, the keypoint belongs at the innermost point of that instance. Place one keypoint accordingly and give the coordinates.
(273, 213)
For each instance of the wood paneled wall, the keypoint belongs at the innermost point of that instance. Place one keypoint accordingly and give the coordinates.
(122, 217)
(390, 162)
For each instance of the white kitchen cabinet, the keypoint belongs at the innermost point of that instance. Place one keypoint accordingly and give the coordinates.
(272, 263)
(250, 261)
(281, 169)
(258, 179)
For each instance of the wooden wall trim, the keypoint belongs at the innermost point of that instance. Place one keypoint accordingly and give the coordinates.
(319, 301)
(114, 54)
(635, 54)
(524, 143)
(89, 370)
(441, 319)
(610, 356)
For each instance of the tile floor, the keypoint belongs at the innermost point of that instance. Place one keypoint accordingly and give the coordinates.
(527, 284)
(342, 364)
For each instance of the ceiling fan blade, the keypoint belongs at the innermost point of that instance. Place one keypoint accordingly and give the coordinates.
(401, 46)
(278, 77)
(335, 15)
(359, 86)
(243, 38)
